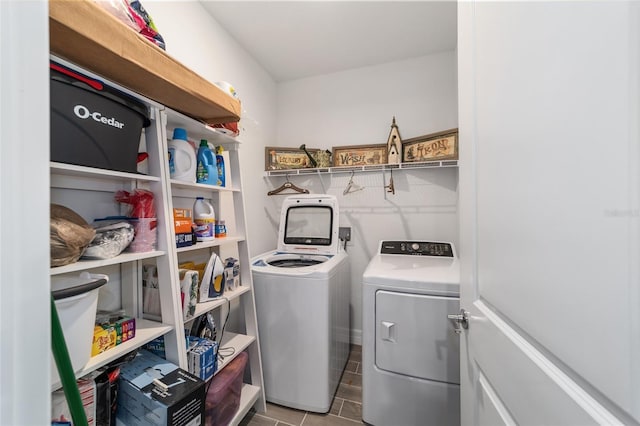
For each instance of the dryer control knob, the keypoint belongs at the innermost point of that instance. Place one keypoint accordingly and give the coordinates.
(415, 246)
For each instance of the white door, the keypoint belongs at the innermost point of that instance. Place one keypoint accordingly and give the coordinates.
(25, 296)
(549, 206)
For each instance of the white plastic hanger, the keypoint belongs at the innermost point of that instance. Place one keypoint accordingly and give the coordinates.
(351, 186)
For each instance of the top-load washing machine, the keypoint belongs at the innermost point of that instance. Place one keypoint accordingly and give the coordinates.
(410, 351)
(302, 293)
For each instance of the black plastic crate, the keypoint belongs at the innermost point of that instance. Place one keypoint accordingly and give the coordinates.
(93, 124)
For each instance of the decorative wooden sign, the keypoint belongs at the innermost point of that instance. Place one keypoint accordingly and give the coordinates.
(360, 155)
(279, 158)
(435, 146)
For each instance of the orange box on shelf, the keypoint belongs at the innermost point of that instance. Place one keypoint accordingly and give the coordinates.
(182, 221)
(181, 213)
(182, 226)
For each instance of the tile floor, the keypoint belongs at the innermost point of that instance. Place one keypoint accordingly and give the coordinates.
(346, 408)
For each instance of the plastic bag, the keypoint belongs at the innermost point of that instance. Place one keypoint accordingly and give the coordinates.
(134, 15)
(112, 237)
(145, 24)
(70, 234)
(143, 218)
(141, 202)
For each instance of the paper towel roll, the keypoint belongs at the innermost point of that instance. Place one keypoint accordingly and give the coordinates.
(189, 290)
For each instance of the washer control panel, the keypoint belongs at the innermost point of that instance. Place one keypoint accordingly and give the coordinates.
(417, 248)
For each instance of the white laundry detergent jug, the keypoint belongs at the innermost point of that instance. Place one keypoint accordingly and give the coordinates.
(182, 157)
(205, 220)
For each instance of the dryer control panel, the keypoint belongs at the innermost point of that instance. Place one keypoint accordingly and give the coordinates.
(417, 248)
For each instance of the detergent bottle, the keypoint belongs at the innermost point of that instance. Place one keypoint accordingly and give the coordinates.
(182, 157)
(205, 219)
(206, 170)
(220, 166)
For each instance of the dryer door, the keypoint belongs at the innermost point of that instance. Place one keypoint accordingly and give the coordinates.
(414, 336)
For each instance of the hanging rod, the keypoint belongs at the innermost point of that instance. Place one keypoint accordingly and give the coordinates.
(367, 168)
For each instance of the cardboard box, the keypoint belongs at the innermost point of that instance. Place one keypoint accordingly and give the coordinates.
(155, 392)
(125, 329)
(182, 221)
(124, 326)
(202, 357)
(104, 338)
(182, 226)
(156, 346)
(232, 273)
(89, 36)
(185, 240)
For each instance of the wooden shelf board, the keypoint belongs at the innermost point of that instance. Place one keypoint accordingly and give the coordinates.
(86, 34)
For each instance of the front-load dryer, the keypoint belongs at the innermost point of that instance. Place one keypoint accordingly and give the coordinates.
(410, 352)
(302, 293)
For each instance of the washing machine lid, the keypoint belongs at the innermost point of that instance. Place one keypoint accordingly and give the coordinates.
(425, 266)
(289, 260)
(309, 224)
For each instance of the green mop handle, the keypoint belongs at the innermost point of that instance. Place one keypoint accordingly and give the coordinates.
(65, 370)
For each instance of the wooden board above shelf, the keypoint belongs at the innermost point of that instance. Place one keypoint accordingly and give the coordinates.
(84, 33)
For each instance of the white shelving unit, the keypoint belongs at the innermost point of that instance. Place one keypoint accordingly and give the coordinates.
(228, 204)
(364, 168)
(90, 193)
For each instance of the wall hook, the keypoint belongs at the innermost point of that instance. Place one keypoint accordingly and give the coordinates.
(390, 188)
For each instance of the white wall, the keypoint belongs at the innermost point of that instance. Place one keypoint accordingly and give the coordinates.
(355, 107)
(199, 42)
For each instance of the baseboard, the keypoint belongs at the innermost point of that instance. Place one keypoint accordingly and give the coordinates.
(356, 337)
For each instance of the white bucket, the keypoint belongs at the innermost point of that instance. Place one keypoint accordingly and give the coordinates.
(77, 316)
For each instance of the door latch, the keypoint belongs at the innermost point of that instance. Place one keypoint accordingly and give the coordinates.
(459, 321)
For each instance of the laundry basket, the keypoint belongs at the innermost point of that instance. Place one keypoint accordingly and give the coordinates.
(76, 301)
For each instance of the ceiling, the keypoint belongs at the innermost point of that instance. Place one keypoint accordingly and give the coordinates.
(297, 39)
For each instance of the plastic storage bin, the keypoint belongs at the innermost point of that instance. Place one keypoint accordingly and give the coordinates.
(223, 396)
(76, 301)
(93, 124)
